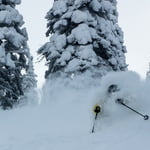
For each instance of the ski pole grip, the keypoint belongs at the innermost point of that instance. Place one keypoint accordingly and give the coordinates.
(119, 101)
(97, 109)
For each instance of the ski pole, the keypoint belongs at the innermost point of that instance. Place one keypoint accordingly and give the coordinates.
(96, 110)
(120, 101)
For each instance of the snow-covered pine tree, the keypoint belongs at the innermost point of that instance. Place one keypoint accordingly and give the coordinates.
(29, 79)
(14, 53)
(148, 73)
(29, 85)
(84, 35)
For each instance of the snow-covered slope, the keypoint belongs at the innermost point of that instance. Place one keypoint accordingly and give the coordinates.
(65, 121)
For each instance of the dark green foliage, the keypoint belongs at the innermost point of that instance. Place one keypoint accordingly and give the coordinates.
(14, 54)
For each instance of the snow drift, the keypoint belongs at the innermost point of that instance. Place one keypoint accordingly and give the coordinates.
(64, 118)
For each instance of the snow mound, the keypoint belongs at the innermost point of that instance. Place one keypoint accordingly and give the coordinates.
(64, 118)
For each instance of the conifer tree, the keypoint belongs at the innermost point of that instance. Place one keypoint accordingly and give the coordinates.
(29, 79)
(148, 73)
(84, 36)
(14, 53)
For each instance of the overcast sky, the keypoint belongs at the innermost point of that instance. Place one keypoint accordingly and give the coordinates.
(133, 19)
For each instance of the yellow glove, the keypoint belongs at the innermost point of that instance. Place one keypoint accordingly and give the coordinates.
(97, 108)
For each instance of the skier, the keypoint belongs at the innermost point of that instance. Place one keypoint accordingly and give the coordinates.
(114, 88)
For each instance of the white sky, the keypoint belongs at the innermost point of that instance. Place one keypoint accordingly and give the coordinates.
(133, 19)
